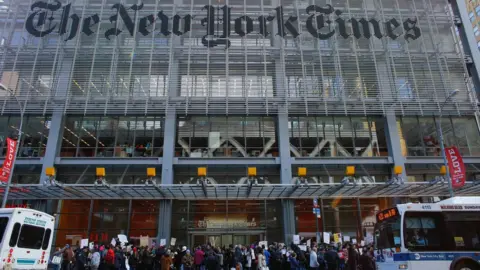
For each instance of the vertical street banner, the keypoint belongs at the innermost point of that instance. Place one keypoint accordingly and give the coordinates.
(9, 160)
(456, 167)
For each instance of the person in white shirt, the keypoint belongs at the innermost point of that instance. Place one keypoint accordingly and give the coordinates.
(313, 259)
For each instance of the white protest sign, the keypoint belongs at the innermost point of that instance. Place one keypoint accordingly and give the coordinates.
(163, 242)
(173, 241)
(362, 243)
(309, 243)
(346, 238)
(326, 237)
(113, 242)
(354, 240)
(144, 241)
(296, 239)
(263, 243)
(303, 247)
(90, 245)
(122, 238)
(84, 243)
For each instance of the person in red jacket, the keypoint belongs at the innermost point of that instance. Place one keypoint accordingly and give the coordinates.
(198, 258)
(110, 259)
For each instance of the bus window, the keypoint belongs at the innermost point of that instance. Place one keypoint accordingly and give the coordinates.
(3, 226)
(425, 231)
(46, 239)
(464, 229)
(387, 234)
(31, 237)
(14, 236)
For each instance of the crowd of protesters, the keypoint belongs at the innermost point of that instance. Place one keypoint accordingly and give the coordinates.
(207, 257)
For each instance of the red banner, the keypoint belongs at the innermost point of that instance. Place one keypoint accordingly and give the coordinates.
(456, 167)
(9, 159)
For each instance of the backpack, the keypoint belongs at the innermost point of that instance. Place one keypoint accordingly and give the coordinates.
(110, 257)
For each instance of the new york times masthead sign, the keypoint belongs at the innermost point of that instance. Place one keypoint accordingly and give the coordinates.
(44, 20)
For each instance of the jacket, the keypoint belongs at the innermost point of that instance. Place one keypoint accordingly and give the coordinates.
(110, 256)
(211, 263)
(133, 260)
(199, 257)
(68, 255)
(166, 261)
(95, 259)
(313, 259)
(294, 263)
(120, 261)
(187, 260)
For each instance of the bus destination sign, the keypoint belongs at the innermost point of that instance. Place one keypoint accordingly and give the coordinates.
(387, 214)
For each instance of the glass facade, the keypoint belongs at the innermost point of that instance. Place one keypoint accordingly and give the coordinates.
(228, 85)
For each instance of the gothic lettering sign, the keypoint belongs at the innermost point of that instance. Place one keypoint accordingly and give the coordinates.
(322, 23)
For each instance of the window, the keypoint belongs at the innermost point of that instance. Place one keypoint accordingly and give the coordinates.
(387, 234)
(477, 10)
(404, 90)
(471, 15)
(31, 237)
(465, 229)
(3, 226)
(14, 236)
(425, 231)
(475, 31)
(46, 239)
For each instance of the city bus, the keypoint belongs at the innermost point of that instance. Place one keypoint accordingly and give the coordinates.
(421, 236)
(26, 238)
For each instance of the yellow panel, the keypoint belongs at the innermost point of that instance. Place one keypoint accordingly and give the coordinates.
(202, 171)
(50, 171)
(398, 169)
(151, 172)
(100, 172)
(443, 170)
(302, 171)
(350, 171)
(252, 171)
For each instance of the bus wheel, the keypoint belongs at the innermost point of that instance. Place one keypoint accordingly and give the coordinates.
(466, 265)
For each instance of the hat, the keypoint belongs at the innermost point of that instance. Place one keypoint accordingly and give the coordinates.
(184, 248)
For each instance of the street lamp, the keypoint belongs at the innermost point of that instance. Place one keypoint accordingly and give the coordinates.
(7, 188)
(442, 147)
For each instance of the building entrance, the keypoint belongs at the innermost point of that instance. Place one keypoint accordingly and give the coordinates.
(226, 238)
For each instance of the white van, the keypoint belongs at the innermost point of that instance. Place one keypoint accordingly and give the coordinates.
(26, 237)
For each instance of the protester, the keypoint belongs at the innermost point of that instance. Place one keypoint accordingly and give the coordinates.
(262, 263)
(95, 260)
(294, 263)
(187, 261)
(81, 258)
(198, 258)
(331, 256)
(352, 259)
(313, 259)
(133, 259)
(365, 260)
(211, 262)
(166, 261)
(68, 258)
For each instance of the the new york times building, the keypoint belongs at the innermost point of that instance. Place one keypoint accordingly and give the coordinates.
(228, 85)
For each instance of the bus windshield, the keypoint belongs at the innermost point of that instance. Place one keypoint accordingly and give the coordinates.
(387, 234)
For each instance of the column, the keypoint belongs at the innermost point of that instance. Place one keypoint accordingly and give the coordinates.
(60, 91)
(393, 142)
(164, 220)
(170, 127)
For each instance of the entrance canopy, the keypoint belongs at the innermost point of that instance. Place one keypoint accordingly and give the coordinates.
(234, 192)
